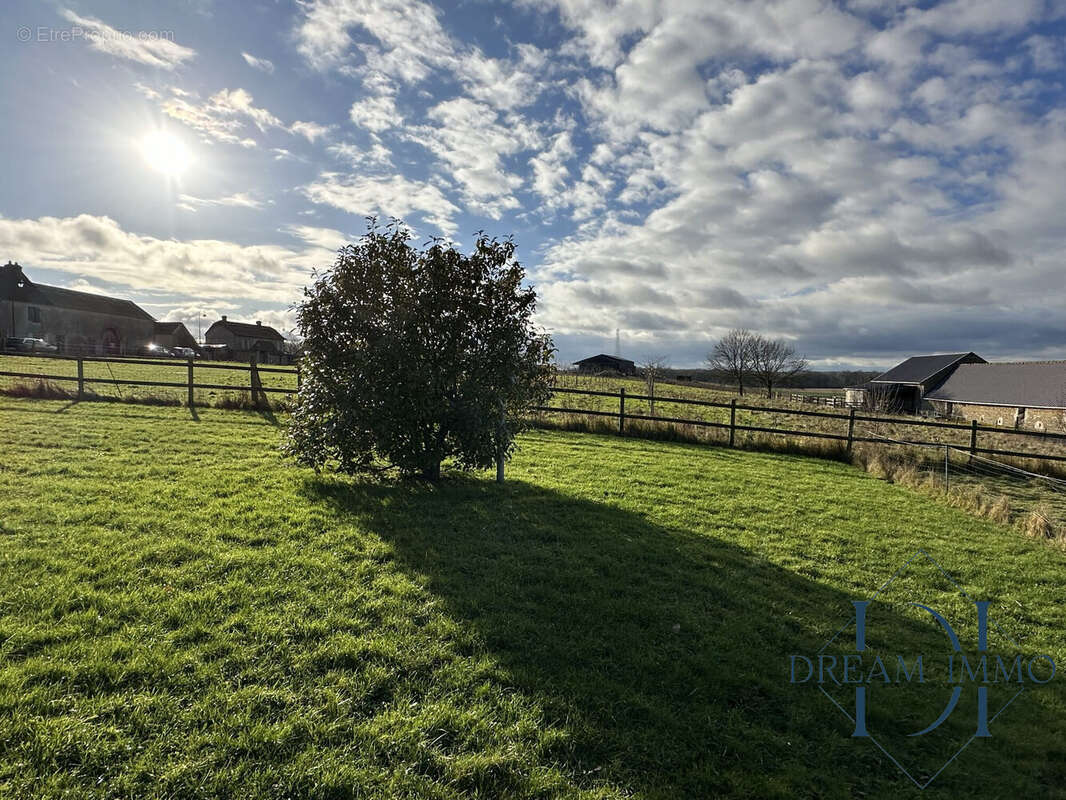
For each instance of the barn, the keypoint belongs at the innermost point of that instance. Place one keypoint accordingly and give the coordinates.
(1026, 394)
(75, 322)
(173, 334)
(904, 387)
(605, 363)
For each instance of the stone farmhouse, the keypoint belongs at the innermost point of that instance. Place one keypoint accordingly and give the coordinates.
(245, 341)
(82, 323)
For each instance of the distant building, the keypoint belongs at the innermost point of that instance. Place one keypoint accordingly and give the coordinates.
(75, 322)
(246, 341)
(605, 363)
(904, 387)
(1019, 395)
(173, 334)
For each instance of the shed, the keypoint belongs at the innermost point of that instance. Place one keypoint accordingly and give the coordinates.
(903, 388)
(606, 363)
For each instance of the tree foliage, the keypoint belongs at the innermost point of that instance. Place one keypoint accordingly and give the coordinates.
(413, 356)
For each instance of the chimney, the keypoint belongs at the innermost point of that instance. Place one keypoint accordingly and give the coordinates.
(223, 317)
(257, 322)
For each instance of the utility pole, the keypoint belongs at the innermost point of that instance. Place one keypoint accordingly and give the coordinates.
(617, 343)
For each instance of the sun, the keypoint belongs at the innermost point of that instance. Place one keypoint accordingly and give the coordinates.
(166, 153)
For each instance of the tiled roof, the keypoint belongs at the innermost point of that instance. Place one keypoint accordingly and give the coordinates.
(604, 357)
(15, 285)
(1030, 384)
(248, 330)
(920, 369)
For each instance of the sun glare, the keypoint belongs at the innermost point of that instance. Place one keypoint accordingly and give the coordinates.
(166, 153)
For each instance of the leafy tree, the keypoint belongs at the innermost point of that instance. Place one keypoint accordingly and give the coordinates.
(413, 356)
(733, 356)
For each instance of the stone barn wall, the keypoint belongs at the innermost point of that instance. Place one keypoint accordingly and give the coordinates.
(1007, 416)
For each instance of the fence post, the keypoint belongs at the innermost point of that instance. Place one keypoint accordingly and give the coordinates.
(973, 440)
(501, 427)
(947, 479)
(81, 378)
(191, 384)
(732, 421)
(851, 430)
(622, 410)
(253, 380)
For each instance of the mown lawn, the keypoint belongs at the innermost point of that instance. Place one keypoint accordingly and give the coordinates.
(184, 614)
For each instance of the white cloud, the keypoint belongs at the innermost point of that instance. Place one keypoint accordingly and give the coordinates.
(222, 117)
(312, 131)
(99, 248)
(261, 64)
(152, 48)
(325, 238)
(472, 142)
(550, 173)
(412, 41)
(393, 196)
(376, 114)
(238, 199)
(377, 155)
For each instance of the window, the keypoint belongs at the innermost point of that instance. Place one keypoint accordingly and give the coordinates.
(34, 314)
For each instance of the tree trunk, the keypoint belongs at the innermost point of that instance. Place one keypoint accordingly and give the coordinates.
(431, 472)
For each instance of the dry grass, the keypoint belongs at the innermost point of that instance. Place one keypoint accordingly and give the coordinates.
(1000, 510)
(1037, 524)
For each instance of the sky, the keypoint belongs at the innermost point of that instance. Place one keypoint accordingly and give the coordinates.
(868, 180)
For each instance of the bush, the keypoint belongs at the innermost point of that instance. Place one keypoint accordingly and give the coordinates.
(411, 357)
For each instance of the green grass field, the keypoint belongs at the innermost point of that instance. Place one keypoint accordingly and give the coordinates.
(183, 614)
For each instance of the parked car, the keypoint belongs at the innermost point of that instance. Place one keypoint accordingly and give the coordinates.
(183, 352)
(29, 345)
(158, 351)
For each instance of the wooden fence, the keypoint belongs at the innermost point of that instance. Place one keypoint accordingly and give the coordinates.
(189, 367)
(845, 434)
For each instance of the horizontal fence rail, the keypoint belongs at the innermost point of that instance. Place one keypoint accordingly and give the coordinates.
(252, 384)
(847, 435)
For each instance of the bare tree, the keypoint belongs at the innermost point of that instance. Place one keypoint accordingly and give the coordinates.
(653, 369)
(774, 361)
(733, 356)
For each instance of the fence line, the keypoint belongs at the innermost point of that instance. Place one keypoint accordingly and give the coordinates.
(255, 387)
(253, 369)
(849, 439)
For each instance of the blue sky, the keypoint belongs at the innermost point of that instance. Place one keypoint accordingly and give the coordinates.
(867, 179)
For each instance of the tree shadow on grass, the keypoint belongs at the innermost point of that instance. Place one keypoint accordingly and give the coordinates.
(663, 652)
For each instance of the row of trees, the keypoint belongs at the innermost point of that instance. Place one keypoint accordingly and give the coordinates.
(746, 358)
